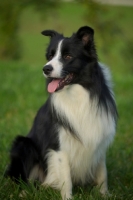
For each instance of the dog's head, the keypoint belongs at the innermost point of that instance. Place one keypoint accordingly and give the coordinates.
(67, 56)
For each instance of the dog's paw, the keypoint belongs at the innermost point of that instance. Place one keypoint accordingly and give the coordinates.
(105, 193)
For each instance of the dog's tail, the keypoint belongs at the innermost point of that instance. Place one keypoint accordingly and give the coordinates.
(24, 156)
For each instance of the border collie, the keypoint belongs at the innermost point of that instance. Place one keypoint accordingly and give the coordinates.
(71, 132)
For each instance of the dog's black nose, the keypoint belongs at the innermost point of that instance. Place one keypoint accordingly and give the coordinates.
(47, 69)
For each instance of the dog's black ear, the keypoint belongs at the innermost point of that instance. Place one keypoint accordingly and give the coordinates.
(85, 34)
(50, 33)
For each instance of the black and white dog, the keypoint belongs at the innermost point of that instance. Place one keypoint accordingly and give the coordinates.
(73, 129)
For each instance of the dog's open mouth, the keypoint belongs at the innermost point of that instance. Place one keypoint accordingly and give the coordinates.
(57, 84)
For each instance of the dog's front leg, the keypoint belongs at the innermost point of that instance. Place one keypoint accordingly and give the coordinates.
(59, 176)
(101, 177)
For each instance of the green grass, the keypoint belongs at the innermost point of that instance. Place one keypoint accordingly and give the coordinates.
(22, 92)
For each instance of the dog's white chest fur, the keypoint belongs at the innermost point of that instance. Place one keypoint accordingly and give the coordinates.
(93, 127)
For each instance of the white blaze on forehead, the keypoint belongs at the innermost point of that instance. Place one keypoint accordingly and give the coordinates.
(58, 52)
(55, 62)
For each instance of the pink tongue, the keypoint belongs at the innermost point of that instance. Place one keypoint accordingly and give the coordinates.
(53, 85)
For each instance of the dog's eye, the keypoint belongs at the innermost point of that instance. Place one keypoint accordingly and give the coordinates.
(51, 54)
(67, 57)
(50, 57)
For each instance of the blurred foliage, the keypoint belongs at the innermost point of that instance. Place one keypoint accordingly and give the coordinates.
(110, 33)
(10, 12)
(111, 38)
(97, 15)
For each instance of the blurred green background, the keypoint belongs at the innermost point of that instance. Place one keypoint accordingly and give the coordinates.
(22, 85)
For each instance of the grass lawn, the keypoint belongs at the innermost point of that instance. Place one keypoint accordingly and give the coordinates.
(22, 92)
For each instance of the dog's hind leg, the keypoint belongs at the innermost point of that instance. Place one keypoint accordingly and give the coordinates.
(24, 156)
(58, 175)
